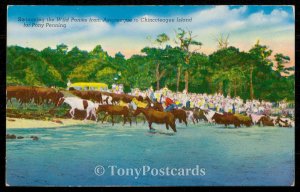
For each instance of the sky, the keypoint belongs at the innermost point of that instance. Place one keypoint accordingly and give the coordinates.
(273, 26)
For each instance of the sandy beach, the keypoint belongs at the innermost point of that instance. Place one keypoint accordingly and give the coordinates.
(32, 123)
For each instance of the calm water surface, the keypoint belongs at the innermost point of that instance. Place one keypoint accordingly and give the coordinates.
(68, 156)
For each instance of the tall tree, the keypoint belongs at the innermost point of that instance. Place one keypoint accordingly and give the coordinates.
(157, 60)
(259, 60)
(176, 56)
(228, 69)
(186, 41)
(223, 41)
(139, 72)
(161, 39)
(281, 61)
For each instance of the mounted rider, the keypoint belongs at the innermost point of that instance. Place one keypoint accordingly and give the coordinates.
(170, 104)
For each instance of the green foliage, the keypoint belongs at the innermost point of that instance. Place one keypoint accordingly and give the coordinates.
(13, 80)
(281, 61)
(27, 67)
(106, 75)
(30, 78)
(162, 38)
(226, 70)
(62, 48)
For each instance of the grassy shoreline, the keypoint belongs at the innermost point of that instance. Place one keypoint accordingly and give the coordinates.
(33, 116)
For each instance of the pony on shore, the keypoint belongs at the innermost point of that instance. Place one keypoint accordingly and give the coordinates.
(80, 104)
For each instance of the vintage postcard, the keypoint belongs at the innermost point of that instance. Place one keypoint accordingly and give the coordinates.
(150, 95)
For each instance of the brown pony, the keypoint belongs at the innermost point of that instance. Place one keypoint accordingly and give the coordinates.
(266, 121)
(148, 100)
(116, 98)
(92, 95)
(244, 120)
(115, 110)
(154, 104)
(26, 94)
(157, 106)
(158, 117)
(226, 119)
(22, 94)
(180, 114)
(198, 115)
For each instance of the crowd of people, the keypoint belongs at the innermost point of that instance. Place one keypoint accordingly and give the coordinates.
(216, 102)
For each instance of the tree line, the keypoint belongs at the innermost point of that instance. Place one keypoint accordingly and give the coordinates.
(249, 74)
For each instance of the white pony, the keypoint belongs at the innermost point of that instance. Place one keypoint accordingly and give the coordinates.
(80, 104)
(255, 118)
(190, 116)
(289, 121)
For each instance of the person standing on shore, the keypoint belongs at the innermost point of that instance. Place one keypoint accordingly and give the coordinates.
(151, 94)
(69, 84)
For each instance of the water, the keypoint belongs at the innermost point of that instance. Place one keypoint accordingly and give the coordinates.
(68, 156)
